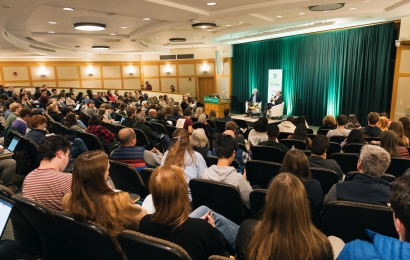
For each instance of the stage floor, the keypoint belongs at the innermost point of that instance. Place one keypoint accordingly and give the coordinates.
(254, 119)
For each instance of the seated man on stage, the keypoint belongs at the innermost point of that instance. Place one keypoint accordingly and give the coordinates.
(255, 98)
(276, 100)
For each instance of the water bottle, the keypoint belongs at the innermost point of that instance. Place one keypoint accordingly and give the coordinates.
(293, 147)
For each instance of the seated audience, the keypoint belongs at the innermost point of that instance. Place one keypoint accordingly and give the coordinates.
(129, 121)
(365, 186)
(176, 113)
(273, 133)
(48, 184)
(301, 120)
(320, 144)
(340, 129)
(122, 110)
(296, 162)
(201, 235)
(182, 155)
(301, 134)
(398, 128)
(55, 113)
(91, 199)
(91, 110)
(72, 123)
(61, 100)
(371, 130)
(383, 247)
(406, 125)
(329, 122)
(352, 122)
(227, 115)
(383, 123)
(199, 111)
(8, 109)
(136, 156)
(287, 126)
(285, 230)
(21, 122)
(226, 147)
(231, 125)
(25, 101)
(8, 172)
(70, 100)
(44, 98)
(161, 118)
(355, 137)
(199, 142)
(152, 115)
(95, 128)
(102, 113)
(15, 111)
(110, 113)
(212, 116)
(139, 124)
(258, 133)
(389, 142)
(38, 124)
(162, 102)
(202, 119)
(185, 122)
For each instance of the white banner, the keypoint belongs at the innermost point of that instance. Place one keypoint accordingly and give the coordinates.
(275, 83)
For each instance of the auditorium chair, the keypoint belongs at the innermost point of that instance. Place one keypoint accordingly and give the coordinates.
(257, 201)
(127, 178)
(349, 220)
(55, 243)
(398, 166)
(388, 177)
(159, 128)
(91, 141)
(261, 172)
(353, 148)
(142, 139)
(218, 196)
(283, 135)
(309, 131)
(333, 148)
(267, 153)
(119, 127)
(337, 138)
(346, 161)
(220, 126)
(89, 240)
(211, 124)
(244, 125)
(322, 131)
(143, 247)
(28, 145)
(213, 160)
(242, 147)
(194, 119)
(58, 128)
(276, 111)
(298, 144)
(369, 139)
(327, 178)
(174, 122)
(146, 176)
(307, 152)
(113, 129)
(312, 136)
(170, 130)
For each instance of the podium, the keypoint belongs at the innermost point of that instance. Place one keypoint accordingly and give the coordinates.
(216, 104)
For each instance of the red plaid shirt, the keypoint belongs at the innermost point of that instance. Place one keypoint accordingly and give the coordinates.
(101, 132)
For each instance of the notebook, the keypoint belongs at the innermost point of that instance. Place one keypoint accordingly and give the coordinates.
(12, 146)
(5, 209)
(76, 107)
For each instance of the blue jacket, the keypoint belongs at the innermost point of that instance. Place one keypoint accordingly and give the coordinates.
(383, 248)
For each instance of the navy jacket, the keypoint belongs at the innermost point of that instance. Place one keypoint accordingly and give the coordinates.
(258, 98)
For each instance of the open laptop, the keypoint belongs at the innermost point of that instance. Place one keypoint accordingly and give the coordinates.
(12, 146)
(5, 208)
(76, 107)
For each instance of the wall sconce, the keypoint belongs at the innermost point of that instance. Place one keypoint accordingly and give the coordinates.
(43, 71)
(168, 69)
(90, 71)
(130, 70)
(205, 68)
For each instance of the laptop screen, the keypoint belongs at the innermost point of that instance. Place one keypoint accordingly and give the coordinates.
(122, 119)
(5, 209)
(13, 144)
(78, 106)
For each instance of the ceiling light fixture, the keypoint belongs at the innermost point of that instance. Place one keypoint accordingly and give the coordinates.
(51, 32)
(52, 22)
(228, 25)
(68, 9)
(124, 27)
(279, 16)
(203, 26)
(366, 1)
(329, 7)
(240, 22)
(301, 13)
(146, 19)
(99, 47)
(353, 8)
(211, 3)
(112, 34)
(90, 26)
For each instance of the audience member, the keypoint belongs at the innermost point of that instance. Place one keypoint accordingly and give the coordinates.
(70, 100)
(212, 116)
(136, 156)
(202, 120)
(365, 186)
(226, 147)
(285, 230)
(7, 108)
(72, 123)
(91, 199)
(318, 159)
(21, 122)
(329, 122)
(25, 102)
(352, 122)
(8, 172)
(15, 111)
(152, 115)
(38, 124)
(90, 110)
(301, 134)
(44, 98)
(161, 118)
(139, 124)
(199, 142)
(95, 128)
(176, 113)
(383, 123)
(355, 137)
(287, 126)
(129, 121)
(2, 91)
(122, 110)
(273, 133)
(48, 184)
(102, 112)
(185, 122)
(340, 129)
(55, 113)
(231, 125)
(182, 155)
(398, 128)
(227, 115)
(389, 142)
(258, 133)
(406, 125)
(371, 130)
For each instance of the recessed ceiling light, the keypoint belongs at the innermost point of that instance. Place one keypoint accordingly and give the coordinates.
(240, 22)
(101, 47)
(353, 8)
(196, 37)
(90, 11)
(113, 34)
(366, 1)
(228, 25)
(51, 32)
(203, 26)
(68, 9)
(279, 16)
(52, 22)
(7, 6)
(124, 27)
(158, 37)
(90, 26)
(301, 13)
(146, 19)
(211, 3)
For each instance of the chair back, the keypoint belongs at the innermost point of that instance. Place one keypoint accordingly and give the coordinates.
(220, 197)
(337, 138)
(333, 148)
(127, 178)
(298, 144)
(307, 152)
(327, 178)
(322, 131)
(174, 122)
(58, 128)
(267, 153)
(170, 130)
(213, 160)
(203, 126)
(257, 201)
(194, 119)
(388, 177)
(261, 172)
(349, 220)
(353, 148)
(369, 139)
(398, 166)
(242, 147)
(89, 240)
(312, 136)
(119, 127)
(346, 161)
(220, 126)
(211, 124)
(283, 135)
(91, 141)
(244, 125)
(142, 139)
(309, 131)
(28, 145)
(146, 176)
(55, 243)
(113, 129)
(159, 128)
(143, 247)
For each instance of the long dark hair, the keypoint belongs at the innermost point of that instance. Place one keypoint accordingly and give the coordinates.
(296, 162)
(355, 136)
(70, 120)
(301, 133)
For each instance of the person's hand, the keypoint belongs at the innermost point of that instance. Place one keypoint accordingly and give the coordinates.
(375, 142)
(1, 149)
(155, 150)
(209, 217)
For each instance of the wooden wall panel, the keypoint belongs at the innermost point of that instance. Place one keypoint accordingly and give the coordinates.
(8, 73)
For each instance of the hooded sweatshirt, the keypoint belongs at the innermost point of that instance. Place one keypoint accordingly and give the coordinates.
(286, 127)
(372, 131)
(228, 175)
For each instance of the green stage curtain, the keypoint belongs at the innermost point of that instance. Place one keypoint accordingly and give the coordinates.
(345, 71)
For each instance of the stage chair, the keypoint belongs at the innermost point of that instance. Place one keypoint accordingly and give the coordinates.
(276, 111)
(254, 109)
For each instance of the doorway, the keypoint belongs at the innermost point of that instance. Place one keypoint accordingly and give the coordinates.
(206, 86)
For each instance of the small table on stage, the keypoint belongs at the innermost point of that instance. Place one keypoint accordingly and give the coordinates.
(216, 104)
(254, 111)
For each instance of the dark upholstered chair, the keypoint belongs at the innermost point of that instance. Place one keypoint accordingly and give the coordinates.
(143, 247)
(337, 138)
(267, 153)
(298, 144)
(349, 220)
(213, 160)
(89, 240)
(220, 197)
(346, 161)
(398, 166)
(333, 148)
(327, 178)
(257, 201)
(220, 126)
(322, 131)
(91, 141)
(388, 177)
(159, 128)
(113, 129)
(55, 243)
(353, 148)
(170, 130)
(142, 139)
(145, 176)
(261, 172)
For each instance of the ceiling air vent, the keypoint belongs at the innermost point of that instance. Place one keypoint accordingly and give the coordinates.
(177, 39)
(326, 8)
(167, 57)
(185, 56)
(40, 48)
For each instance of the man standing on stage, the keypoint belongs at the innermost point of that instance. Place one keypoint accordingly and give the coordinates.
(274, 100)
(255, 98)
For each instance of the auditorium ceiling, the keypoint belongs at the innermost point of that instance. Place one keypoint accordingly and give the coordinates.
(45, 27)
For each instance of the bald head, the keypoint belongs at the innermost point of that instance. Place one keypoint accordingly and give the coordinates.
(229, 132)
(152, 113)
(126, 137)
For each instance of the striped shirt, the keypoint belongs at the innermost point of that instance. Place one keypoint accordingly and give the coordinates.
(48, 187)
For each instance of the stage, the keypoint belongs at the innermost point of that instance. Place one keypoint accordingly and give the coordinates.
(251, 120)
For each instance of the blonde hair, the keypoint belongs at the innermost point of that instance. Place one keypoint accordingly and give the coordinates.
(198, 138)
(176, 154)
(198, 112)
(383, 123)
(329, 120)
